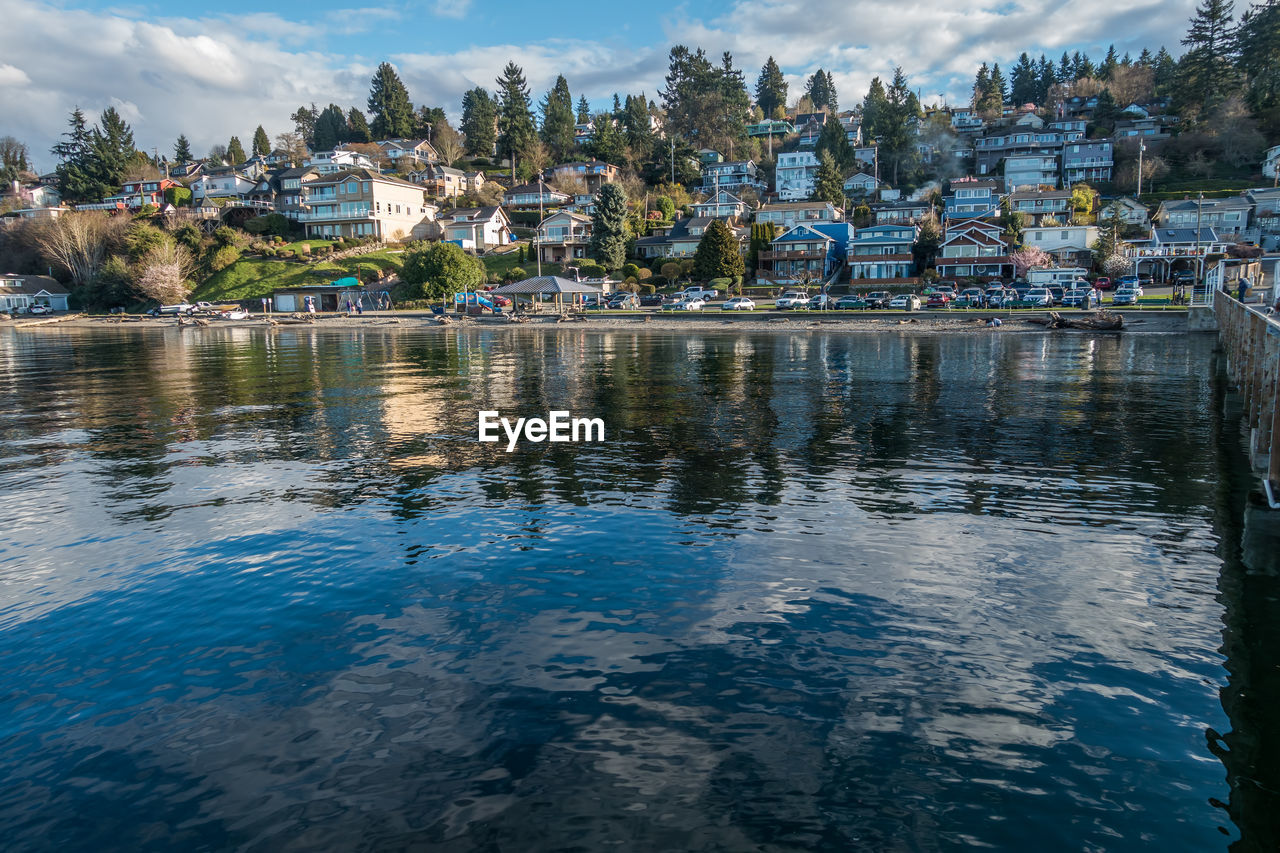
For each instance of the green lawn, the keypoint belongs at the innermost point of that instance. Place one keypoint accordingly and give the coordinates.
(503, 263)
(252, 278)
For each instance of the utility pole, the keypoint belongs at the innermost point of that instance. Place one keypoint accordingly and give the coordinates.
(1199, 258)
(537, 232)
(1142, 146)
(673, 160)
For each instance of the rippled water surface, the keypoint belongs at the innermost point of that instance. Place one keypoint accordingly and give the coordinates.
(266, 591)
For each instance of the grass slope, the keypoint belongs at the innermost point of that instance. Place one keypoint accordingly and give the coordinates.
(253, 278)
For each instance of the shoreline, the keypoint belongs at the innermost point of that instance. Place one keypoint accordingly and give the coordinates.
(1136, 322)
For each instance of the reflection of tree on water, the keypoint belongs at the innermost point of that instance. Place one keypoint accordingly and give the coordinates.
(1249, 584)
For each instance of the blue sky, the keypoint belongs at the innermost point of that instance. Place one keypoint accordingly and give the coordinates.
(212, 70)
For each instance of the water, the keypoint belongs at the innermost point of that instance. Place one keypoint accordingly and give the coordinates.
(265, 591)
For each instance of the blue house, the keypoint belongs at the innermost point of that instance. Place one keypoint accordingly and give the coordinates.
(809, 253)
(968, 198)
(882, 253)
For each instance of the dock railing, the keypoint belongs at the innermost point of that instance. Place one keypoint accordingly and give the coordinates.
(1251, 339)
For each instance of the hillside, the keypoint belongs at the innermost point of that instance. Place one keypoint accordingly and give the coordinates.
(255, 277)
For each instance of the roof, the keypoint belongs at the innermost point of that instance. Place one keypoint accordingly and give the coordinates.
(474, 214)
(364, 175)
(574, 217)
(31, 284)
(547, 284)
(533, 188)
(1184, 235)
(794, 205)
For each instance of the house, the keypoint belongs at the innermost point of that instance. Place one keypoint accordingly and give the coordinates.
(882, 253)
(185, 171)
(900, 212)
(681, 238)
(860, 184)
(441, 181)
(971, 197)
(1070, 128)
(593, 173)
(997, 145)
(773, 127)
(810, 125)
(807, 253)
(563, 236)
(1271, 162)
(226, 183)
(1152, 131)
(1087, 160)
(795, 175)
(584, 203)
(1131, 212)
(34, 195)
(18, 292)
(966, 121)
(1070, 245)
(13, 217)
(338, 160)
(974, 248)
(1170, 250)
(476, 228)
(1029, 119)
(1266, 216)
(1228, 217)
(365, 203)
(852, 124)
(787, 214)
(283, 188)
(1038, 205)
(721, 205)
(733, 175)
(709, 155)
(1030, 170)
(133, 196)
(405, 154)
(533, 195)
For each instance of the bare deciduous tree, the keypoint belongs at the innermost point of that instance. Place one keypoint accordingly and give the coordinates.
(78, 242)
(448, 144)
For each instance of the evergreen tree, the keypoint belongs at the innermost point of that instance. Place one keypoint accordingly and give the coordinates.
(584, 110)
(898, 137)
(1109, 65)
(1164, 77)
(1066, 69)
(981, 87)
(1206, 71)
(74, 179)
(427, 120)
(834, 141)
(821, 90)
(389, 105)
(558, 119)
(636, 122)
(829, 185)
(261, 142)
(1145, 59)
(609, 228)
(1023, 81)
(235, 151)
(997, 96)
(771, 88)
(330, 129)
(182, 149)
(113, 150)
(1106, 112)
(718, 254)
(358, 127)
(735, 105)
(304, 123)
(875, 111)
(1046, 77)
(617, 104)
(479, 122)
(13, 160)
(1258, 40)
(705, 105)
(607, 141)
(515, 119)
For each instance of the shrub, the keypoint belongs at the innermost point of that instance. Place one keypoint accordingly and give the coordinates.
(630, 271)
(720, 284)
(590, 269)
(645, 273)
(517, 274)
(671, 270)
(656, 282)
(224, 236)
(648, 289)
(178, 196)
(224, 257)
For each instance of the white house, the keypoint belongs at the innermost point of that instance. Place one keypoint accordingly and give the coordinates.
(19, 292)
(229, 184)
(328, 162)
(722, 205)
(860, 184)
(477, 227)
(795, 175)
(1271, 161)
(1069, 244)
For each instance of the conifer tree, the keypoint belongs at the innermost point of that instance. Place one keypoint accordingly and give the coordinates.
(1206, 71)
(609, 227)
(357, 127)
(74, 179)
(1258, 40)
(771, 88)
(718, 255)
(389, 105)
(558, 119)
(182, 149)
(235, 151)
(829, 185)
(584, 110)
(261, 142)
(515, 119)
(479, 122)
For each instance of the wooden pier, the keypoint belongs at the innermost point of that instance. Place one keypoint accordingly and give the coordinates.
(1251, 339)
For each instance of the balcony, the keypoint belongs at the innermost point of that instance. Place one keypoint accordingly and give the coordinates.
(770, 255)
(335, 215)
(904, 257)
(1177, 252)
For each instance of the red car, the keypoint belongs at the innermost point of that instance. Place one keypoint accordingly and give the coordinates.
(938, 300)
(500, 301)
(1102, 283)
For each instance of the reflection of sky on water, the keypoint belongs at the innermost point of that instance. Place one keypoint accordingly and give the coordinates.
(814, 591)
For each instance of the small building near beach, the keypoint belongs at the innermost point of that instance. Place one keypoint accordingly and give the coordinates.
(18, 292)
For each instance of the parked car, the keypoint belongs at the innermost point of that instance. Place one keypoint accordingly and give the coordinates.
(852, 303)
(738, 303)
(1102, 283)
(183, 308)
(652, 300)
(685, 305)
(970, 297)
(1125, 296)
(1057, 293)
(39, 309)
(905, 302)
(1037, 297)
(939, 299)
(1081, 297)
(947, 287)
(498, 299)
(995, 296)
(624, 301)
(879, 298)
(699, 293)
(792, 299)
(821, 302)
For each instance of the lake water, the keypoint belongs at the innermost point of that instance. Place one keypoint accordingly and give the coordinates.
(265, 591)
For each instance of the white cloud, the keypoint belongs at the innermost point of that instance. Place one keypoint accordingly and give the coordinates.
(452, 8)
(10, 76)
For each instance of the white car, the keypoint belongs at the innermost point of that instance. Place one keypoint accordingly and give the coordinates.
(685, 305)
(183, 308)
(905, 302)
(738, 303)
(39, 309)
(237, 314)
(791, 299)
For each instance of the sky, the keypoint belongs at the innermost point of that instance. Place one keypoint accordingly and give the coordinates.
(216, 70)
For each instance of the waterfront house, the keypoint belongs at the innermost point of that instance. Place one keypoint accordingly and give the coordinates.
(882, 254)
(1228, 217)
(808, 253)
(681, 238)
(563, 236)
(364, 203)
(1068, 244)
(974, 248)
(22, 291)
(338, 160)
(1087, 160)
(1170, 250)
(1038, 205)
(282, 187)
(133, 196)
(788, 213)
(795, 175)
(734, 175)
(526, 196)
(476, 228)
(722, 205)
(405, 154)
(222, 183)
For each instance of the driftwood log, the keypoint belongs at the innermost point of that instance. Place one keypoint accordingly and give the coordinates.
(1099, 321)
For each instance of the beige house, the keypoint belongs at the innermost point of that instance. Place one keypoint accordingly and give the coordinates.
(363, 203)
